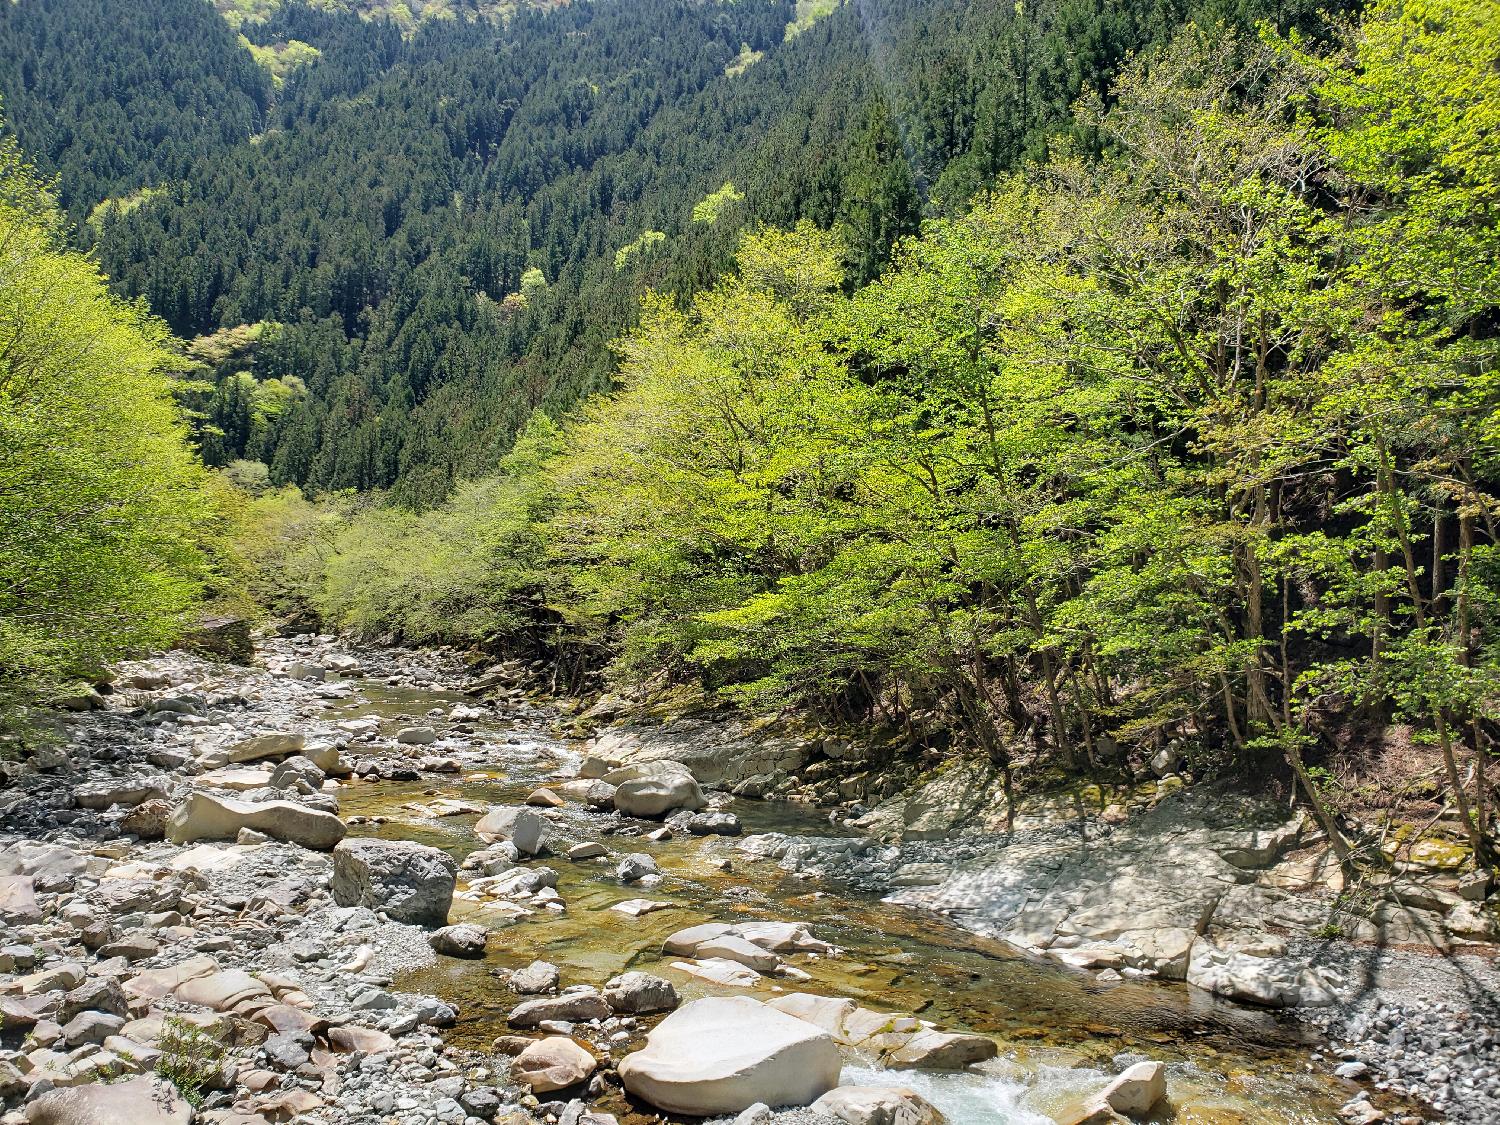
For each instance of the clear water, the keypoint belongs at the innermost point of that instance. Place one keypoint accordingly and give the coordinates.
(961, 1097)
(1227, 1064)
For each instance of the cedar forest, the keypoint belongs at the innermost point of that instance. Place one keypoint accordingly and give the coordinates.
(1065, 383)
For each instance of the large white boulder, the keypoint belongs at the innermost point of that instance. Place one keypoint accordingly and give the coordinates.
(653, 789)
(103, 793)
(723, 1054)
(207, 817)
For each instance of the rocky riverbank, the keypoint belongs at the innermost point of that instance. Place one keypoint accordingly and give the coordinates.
(232, 876)
(1228, 894)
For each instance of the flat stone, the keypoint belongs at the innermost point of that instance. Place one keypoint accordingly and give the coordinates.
(278, 745)
(104, 793)
(207, 858)
(718, 971)
(878, 1105)
(206, 817)
(137, 1101)
(66, 975)
(351, 1037)
(222, 991)
(731, 947)
(18, 905)
(153, 984)
(940, 1050)
(580, 1006)
(240, 780)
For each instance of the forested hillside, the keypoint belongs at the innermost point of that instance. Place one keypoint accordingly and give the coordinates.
(443, 230)
(988, 513)
(1181, 441)
(112, 97)
(1063, 382)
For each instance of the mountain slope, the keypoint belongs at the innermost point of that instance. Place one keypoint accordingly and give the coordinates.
(112, 97)
(447, 228)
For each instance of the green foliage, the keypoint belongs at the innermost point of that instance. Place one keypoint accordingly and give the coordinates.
(190, 1059)
(383, 204)
(809, 12)
(639, 248)
(743, 61)
(280, 59)
(106, 521)
(471, 571)
(111, 209)
(712, 206)
(286, 542)
(1185, 433)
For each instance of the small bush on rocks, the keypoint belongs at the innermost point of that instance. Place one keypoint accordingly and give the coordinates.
(191, 1058)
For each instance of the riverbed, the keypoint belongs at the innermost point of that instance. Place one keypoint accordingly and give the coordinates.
(1060, 1031)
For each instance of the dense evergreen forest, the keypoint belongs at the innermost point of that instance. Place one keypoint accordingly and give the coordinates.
(1067, 383)
(111, 98)
(437, 232)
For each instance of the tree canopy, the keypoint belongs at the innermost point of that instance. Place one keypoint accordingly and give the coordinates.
(106, 517)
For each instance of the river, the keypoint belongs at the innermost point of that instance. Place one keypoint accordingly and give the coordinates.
(1060, 1031)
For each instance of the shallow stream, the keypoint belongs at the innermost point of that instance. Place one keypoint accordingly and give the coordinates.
(1060, 1030)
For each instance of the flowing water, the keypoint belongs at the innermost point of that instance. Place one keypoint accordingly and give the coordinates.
(1060, 1030)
